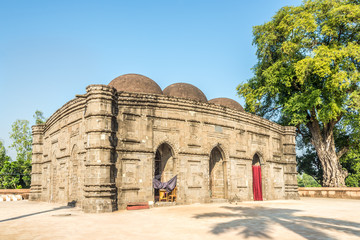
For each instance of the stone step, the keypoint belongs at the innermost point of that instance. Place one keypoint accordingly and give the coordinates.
(164, 204)
(219, 200)
(137, 206)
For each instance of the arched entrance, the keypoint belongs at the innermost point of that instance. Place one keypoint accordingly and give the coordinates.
(165, 167)
(256, 174)
(217, 174)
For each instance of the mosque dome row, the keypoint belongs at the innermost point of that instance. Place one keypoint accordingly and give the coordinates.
(140, 84)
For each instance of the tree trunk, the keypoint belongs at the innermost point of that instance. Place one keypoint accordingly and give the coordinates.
(333, 174)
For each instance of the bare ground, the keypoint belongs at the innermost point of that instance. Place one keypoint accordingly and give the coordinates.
(304, 219)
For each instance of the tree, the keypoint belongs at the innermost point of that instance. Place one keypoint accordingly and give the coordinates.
(22, 143)
(305, 180)
(9, 172)
(308, 76)
(10, 175)
(3, 156)
(308, 162)
(39, 117)
(22, 139)
(16, 174)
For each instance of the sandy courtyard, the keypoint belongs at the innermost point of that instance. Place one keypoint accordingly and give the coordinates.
(304, 219)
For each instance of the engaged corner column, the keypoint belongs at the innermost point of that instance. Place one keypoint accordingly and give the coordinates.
(291, 184)
(36, 161)
(99, 184)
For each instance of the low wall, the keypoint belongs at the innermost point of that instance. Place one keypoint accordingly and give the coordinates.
(23, 192)
(330, 192)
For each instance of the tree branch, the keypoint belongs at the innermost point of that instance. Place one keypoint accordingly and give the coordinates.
(342, 152)
(300, 132)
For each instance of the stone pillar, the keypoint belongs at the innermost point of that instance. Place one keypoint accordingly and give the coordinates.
(290, 173)
(37, 154)
(100, 120)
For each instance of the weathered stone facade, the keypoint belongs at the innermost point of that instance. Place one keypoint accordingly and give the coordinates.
(103, 148)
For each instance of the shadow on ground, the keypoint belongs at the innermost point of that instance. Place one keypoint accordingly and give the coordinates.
(256, 222)
(36, 213)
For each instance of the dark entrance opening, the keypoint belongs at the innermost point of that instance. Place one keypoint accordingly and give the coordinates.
(164, 166)
(216, 174)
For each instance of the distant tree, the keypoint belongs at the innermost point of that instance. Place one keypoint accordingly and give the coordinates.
(39, 117)
(22, 139)
(17, 174)
(9, 171)
(308, 162)
(308, 76)
(305, 180)
(300, 181)
(10, 175)
(22, 143)
(3, 156)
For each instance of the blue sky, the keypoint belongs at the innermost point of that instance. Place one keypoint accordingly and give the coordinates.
(52, 50)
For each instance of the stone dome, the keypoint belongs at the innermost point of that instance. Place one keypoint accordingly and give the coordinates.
(227, 102)
(185, 90)
(135, 83)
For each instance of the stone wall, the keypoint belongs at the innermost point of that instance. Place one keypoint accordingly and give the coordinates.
(100, 148)
(330, 192)
(58, 148)
(192, 132)
(24, 193)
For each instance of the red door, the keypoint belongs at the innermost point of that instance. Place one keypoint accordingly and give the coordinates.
(257, 183)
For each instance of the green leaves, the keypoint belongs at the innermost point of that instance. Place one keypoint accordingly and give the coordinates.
(305, 180)
(302, 50)
(17, 174)
(22, 139)
(308, 67)
(3, 156)
(39, 117)
(352, 163)
(11, 172)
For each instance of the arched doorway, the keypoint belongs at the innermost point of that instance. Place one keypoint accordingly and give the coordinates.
(256, 174)
(165, 167)
(216, 174)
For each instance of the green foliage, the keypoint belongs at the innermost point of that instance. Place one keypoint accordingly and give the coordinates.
(308, 59)
(309, 163)
(22, 143)
(10, 175)
(305, 180)
(9, 171)
(17, 174)
(352, 163)
(22, 140)
(308, 71)
(3, 156)
(300, 181)
(39, 117)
